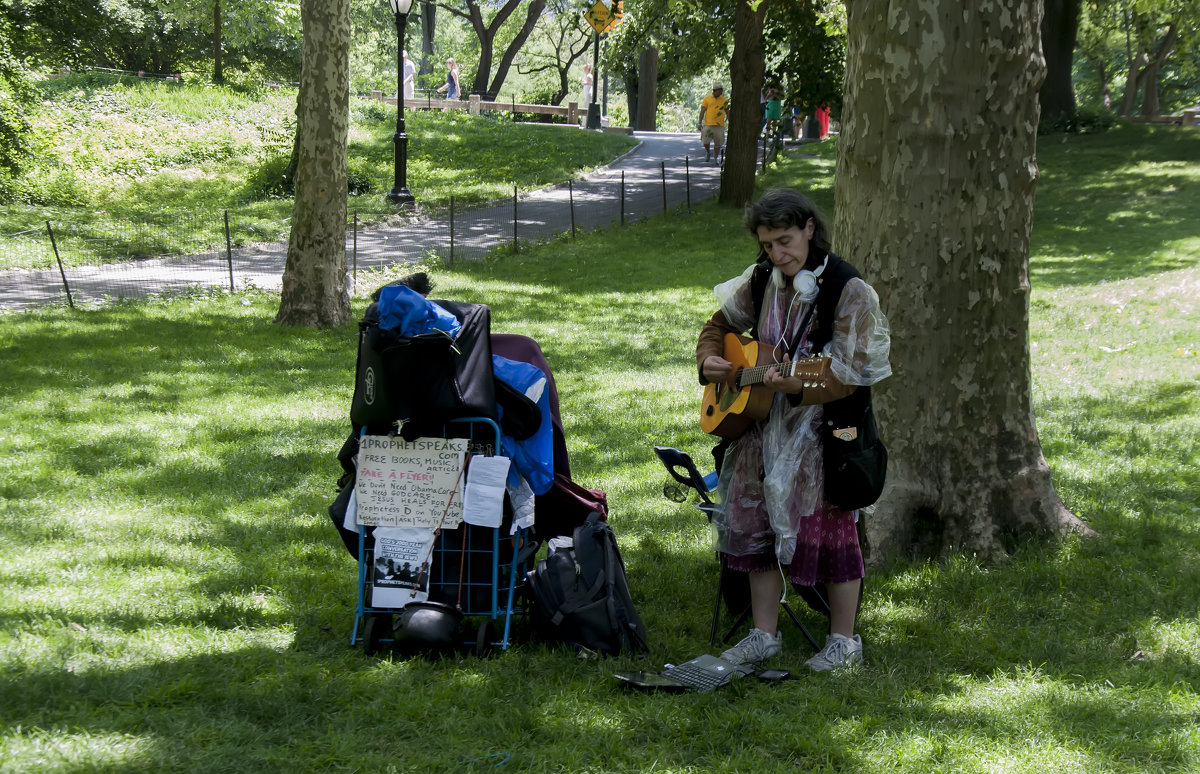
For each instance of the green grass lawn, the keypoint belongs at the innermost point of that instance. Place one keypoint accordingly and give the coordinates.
(175, 598)
(126, 167)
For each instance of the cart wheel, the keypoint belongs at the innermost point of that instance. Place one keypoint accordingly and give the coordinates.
(483, 638)
(374, 630)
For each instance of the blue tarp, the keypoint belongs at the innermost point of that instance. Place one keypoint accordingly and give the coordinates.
(533, 458)
(409, 313)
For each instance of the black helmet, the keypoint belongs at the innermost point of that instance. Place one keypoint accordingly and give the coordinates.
(427, 627)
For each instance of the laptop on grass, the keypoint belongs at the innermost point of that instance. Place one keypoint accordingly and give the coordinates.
(702, 674)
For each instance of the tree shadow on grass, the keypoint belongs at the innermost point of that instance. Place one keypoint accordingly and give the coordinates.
(986, 652)
(1137, 189)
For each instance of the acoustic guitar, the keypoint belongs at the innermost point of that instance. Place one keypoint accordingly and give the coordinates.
(729, 408)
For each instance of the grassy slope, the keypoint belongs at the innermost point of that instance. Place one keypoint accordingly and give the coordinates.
(175, 598)
(132, 167)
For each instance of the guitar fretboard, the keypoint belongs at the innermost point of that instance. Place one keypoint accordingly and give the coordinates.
(808, 368)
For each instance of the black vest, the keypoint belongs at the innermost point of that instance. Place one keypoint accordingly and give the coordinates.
(830, 285)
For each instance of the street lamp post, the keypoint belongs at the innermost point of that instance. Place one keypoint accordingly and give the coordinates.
(399, 193)
(593, 114)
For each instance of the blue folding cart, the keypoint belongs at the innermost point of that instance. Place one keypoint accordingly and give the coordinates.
(473, 574)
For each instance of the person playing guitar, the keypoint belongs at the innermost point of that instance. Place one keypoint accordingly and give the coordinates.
(775, 521)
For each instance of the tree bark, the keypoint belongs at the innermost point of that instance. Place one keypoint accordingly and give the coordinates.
(746, 70)
(506, 60)
(486, 33)
(1150, 92)
(647, 99)
(218, 44)
(1143, 68)
(633, 85)
(428, 26)
(935, 184)
(314, 275)
(1060, 28)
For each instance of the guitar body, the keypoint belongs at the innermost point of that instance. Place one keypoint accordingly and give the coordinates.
(727, 410)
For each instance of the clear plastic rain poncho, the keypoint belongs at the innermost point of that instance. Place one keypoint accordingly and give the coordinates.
(786, 448)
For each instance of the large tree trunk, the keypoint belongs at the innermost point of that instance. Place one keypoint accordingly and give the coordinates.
(746, 70)
(314, 276)
(1143, 68)
(647, 99)
(486, 33)
(935, 182)
(218, 44)
(632, 85)
(533, 12)
(1060, 28)
(428, 25)
(1150, 93)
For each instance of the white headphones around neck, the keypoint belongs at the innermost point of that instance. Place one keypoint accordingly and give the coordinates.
(804, 283)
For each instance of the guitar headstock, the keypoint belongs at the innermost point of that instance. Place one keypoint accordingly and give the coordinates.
(812, 370)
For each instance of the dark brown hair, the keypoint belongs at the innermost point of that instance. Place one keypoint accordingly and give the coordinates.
(784, 208)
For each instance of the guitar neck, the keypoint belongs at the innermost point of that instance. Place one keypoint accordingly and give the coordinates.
(809, 367)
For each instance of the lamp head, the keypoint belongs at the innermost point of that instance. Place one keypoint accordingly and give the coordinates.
(401, 7)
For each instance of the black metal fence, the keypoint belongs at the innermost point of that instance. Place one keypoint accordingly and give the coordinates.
(450, 234)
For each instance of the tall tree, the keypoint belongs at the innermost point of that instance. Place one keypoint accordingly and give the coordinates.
(564, 37)
(746, 78)
(428, 28)
(218, 75)
(935, 184)
(805, 46)
(1060, 29)
(314, 275)
(1155, 39)
(646, 119)
(487, 31)
(690, 37)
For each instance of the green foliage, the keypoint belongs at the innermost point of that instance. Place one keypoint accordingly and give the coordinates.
(691, 38)
(1115, 37)
(805, 59)
(259, 36)
(1085, 121)
(175, 597)
(16, 101)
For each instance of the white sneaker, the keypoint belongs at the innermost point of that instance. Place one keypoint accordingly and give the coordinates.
(757, 646)
(839, 651)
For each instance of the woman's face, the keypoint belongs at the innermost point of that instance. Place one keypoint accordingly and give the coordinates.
(787, 247)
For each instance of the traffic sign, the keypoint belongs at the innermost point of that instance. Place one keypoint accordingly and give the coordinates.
(604, 17)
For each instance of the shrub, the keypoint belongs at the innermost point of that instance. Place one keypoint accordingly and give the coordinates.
(1084, 121)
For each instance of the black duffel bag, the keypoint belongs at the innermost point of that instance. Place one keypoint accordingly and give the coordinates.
(424, 380)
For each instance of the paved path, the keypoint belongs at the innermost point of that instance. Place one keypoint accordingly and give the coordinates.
(657, 175)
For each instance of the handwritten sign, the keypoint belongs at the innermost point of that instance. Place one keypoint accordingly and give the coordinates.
(409, 483)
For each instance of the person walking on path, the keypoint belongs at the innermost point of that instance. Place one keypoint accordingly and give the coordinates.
(586, 83)
(774, 112)
(451, 87)
(410, 73)
(711, 122)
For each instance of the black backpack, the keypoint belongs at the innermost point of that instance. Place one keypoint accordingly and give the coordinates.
(580, 595)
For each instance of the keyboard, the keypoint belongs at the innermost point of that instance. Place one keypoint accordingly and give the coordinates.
(700, 678)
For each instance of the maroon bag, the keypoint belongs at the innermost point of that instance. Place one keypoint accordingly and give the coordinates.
(566, 506)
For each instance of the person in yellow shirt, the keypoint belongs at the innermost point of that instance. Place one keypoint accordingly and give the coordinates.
(711, 122)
